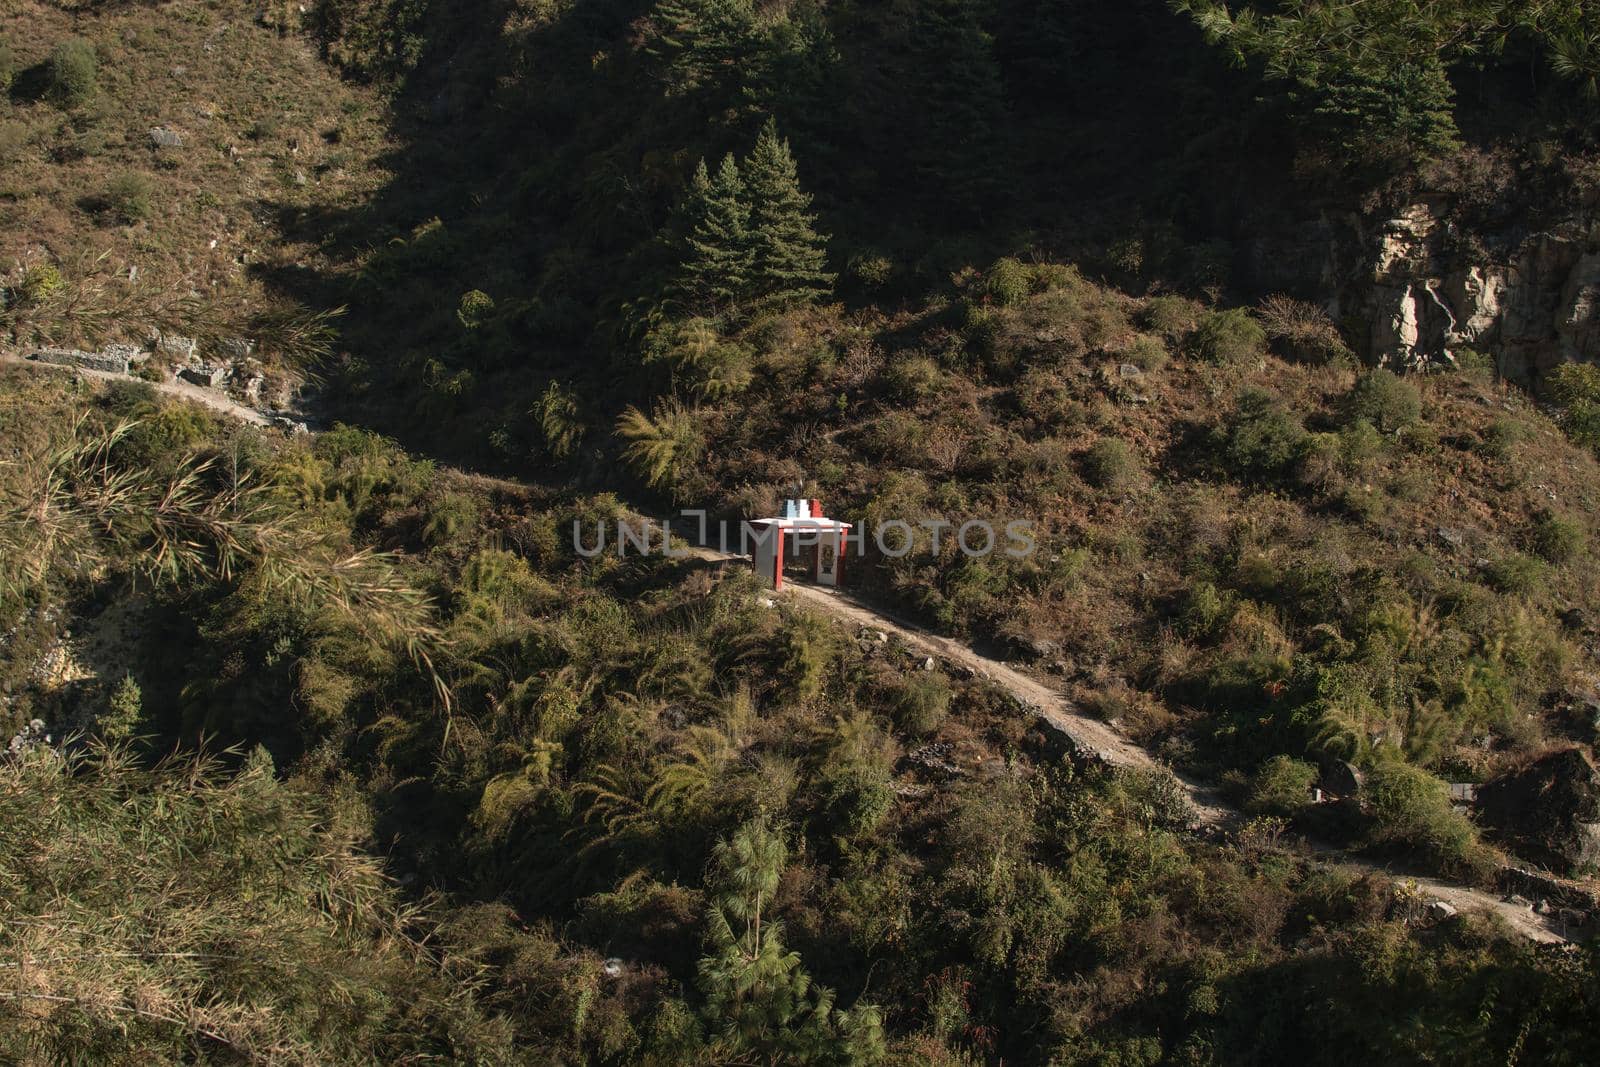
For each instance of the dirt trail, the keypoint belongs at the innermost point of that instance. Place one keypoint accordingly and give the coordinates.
(214, 399)
(1089, 735)
(1095, 738)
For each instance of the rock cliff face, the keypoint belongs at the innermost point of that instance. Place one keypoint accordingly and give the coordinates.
(1415, 291)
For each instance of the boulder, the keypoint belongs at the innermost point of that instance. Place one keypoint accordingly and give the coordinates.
(1547, 811)
(162, 137)
(1340, 779)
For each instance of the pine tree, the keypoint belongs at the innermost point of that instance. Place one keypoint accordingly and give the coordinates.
(714, 265)
(759, 997)
(703, 43)
(959, 107)
(787, 253)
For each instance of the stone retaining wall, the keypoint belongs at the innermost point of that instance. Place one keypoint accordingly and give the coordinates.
(111, 362)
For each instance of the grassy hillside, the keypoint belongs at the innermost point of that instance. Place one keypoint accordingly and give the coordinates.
(326, 750)
(597, 759)
(106, 234)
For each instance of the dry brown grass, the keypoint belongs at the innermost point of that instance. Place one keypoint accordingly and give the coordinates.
(253, 108)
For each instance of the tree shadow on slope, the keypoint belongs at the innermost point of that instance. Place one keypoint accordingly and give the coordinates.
(536, 162)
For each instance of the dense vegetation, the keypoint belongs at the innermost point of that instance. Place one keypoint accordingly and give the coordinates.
(325, 752)
(643, 762)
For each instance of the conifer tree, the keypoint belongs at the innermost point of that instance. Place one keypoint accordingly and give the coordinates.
(959, 107)
(714, 264)
(759, 997)
(787, 253)
(703, 43)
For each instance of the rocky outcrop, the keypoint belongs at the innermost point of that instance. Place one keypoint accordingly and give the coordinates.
(1530, 300)
(1548, 811)
(1414, 288)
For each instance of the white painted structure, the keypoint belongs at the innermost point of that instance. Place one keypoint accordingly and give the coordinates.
(802, 527)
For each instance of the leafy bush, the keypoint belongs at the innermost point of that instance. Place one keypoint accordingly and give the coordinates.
(1515, 573)
(474, 308)
(127, 198)
(41, 283)
(1261, 438)
(1555, 539)
(1229, 337)
(1110, 464)
(870, 271)
(73, 72)
(1384, 399)
(1147, 353)
(1203, 608)
(1576, 387)
(8, 65)
(1412, 808)
(915, 378)
(1007, 282)
(1173, 317)
(1282, 785)
(1503, 435)
(922, 703)
(124, 709)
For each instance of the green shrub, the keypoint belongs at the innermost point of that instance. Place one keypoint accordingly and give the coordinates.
(1516, 573)
(1202, 610)
(1475, 364)
(1262, 438)
(1282, 785)
(870, 271)
(915, 378)
(1576, 387)
(1173, 317)
(1386, 400)
(922, 703)
(123, 711)
(450, 517)
(1571, 383)
(1502, 436)
(1007, 282)
(41, 284)
(1555, 539)
(1147, 353)
(856, 797)
(73, 72)
(1359, 444)
(474, 308)
(1110, 464)
(1412, 808)
(1229, 337)
(8, 65)
(127, 198)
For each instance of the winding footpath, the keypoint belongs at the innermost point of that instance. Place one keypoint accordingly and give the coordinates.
(1095, 739)
(1092, 738)
(215, 399)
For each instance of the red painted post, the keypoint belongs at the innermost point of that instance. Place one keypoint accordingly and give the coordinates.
(777, 565)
